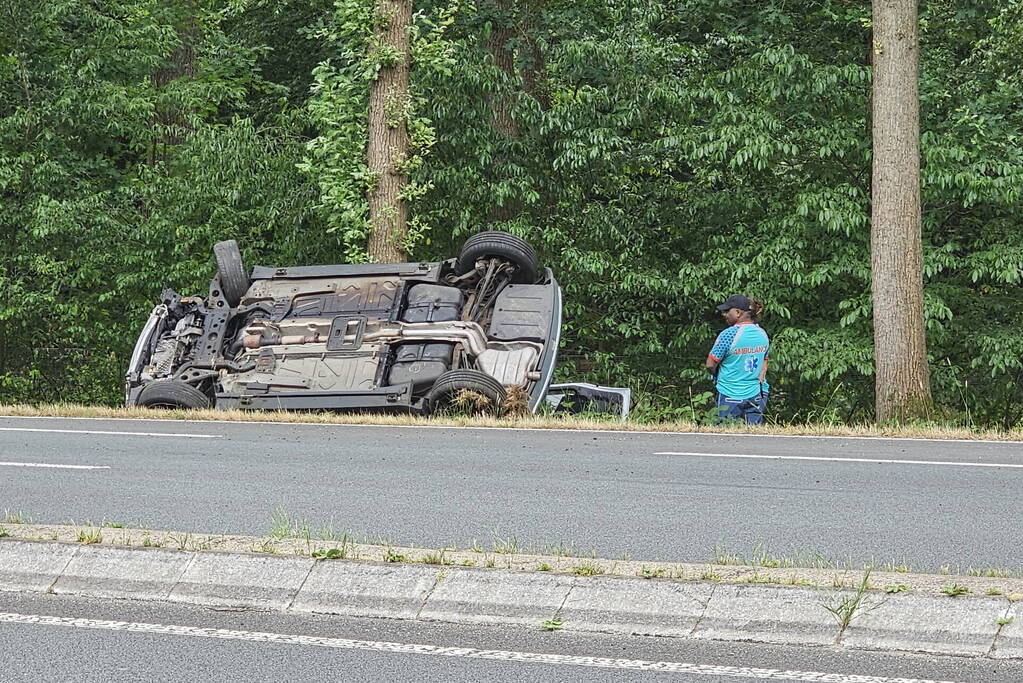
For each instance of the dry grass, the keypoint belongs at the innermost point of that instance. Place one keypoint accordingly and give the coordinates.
(517, 403)
(469, 402)
(514, 422)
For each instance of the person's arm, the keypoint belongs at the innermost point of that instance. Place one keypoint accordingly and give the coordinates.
(720, 349)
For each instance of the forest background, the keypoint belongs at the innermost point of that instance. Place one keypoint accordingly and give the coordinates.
(661, 154)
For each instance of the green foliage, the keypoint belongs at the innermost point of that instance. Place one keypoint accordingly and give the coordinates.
(128, 147)
(660, 155)
(335, 159)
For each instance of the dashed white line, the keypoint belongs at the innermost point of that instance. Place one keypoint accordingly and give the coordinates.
(54, 466)
(108, 433)
(849, 460)
(631, 432)
(463, 652)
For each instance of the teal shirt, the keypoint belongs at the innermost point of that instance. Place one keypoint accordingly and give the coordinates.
(742, 352)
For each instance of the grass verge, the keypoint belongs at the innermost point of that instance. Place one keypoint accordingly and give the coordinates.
(926, 431)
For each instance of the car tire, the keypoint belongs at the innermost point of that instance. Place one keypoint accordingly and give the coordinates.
(234, 281)
(172, 394)
(452, 383)
(504, 245)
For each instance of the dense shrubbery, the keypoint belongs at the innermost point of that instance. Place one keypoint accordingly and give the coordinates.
(660, 154)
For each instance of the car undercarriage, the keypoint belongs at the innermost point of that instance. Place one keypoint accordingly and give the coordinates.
(406, 336)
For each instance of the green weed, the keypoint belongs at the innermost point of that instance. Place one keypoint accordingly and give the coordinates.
(845, 608)
(436, 557)
(506, 546)
(90, 536)
(587, 569)
(268, 546)
(16, 517)
(553, 624)
(993, 572)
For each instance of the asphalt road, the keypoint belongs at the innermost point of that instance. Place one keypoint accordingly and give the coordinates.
(920, 503)
(60, 638)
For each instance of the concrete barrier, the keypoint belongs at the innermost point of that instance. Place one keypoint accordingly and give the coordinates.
(973, 625)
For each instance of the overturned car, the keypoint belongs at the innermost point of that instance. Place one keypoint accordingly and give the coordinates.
(410, 337)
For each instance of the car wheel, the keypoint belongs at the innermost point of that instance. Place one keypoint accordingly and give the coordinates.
(172, 394)
(466, 392)
(233, 280)
(503, 245)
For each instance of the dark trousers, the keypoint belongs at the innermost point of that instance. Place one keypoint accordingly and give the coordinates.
(749, 409)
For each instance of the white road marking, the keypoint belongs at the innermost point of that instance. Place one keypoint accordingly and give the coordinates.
(631, 432)
(51, 465)
(853, 460)
(94, 431)
(463, 652)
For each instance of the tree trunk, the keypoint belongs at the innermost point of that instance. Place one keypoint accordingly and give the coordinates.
(171, 120)
(902, 379)
(388, 146)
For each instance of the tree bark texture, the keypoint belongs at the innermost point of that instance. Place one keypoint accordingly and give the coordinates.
(171, 119)
(388, 146)
(902, 378)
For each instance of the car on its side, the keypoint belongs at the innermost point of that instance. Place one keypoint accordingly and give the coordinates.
(413, 337)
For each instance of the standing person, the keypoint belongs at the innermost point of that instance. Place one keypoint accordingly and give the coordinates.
(738, 360)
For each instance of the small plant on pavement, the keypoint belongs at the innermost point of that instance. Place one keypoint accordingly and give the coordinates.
(553, 624)
(436, 557)
(1005, 621)
(392, 556)
(90, 536)
(544, 567)
(267, 546)
(845, 608)
(648, 573)
(896, 588)
(721, 555)
(282, 526)
(954, 589)
(16, 517)
(993, 572)
(587, 569)
(506, 546)
(4, 532)
(340, 552)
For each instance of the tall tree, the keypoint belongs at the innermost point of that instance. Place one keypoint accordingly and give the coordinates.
(388, 145)
(902, 379)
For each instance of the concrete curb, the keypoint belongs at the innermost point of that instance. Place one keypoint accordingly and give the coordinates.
(963, 625)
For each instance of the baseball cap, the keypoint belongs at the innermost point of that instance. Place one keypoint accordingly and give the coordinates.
(739, 301)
